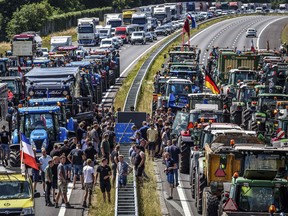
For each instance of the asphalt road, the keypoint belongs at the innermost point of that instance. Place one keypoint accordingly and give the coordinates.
(229, 33)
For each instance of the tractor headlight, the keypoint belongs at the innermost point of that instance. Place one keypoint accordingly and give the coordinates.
(44, 144)
(31, 93)
(65, 93)
(28, 211)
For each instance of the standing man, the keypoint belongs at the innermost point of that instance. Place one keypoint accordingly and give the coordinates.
(90, 153)
(105, 172)
(5, 141)
(139, 163)
(88, 172)
(174, 152)
(66, 149)
(48, 180)
(43, 160)
(95, 137)
(105, 147)
(143, 130)
(114, 159)
(62, 183)
(76, 157)
(152, 136)
(124, 170)
(56, 161)
(170, 166)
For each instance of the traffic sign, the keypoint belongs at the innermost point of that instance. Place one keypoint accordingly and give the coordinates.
(230, 205)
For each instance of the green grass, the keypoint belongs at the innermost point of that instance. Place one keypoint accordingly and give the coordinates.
(284, 35)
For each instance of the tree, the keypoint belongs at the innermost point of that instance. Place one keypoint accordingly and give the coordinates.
(30, 17)
(67, 5)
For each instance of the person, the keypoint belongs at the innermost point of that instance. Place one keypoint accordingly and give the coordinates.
(105, 147)
(104, 171)
(5, 141)
(143, 130)
(174, 152)
(95, 137)
(10, 95)
(170, 166)
(165, 137)
(139, 163)
(66, 149)
(56, 150)
(114, 159)
(48, 181)
(123, 169)
(56, 161)
(80, 132)
(76, 157)
(90, 153)
(152, 136)
(43, 160)
(62, 183)
(226, 114)
(111, 138)
(88, 173)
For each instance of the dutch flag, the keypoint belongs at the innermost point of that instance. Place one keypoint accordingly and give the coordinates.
(193, 24)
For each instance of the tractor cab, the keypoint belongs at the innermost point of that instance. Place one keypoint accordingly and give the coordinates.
(205, 98)
(41, 125)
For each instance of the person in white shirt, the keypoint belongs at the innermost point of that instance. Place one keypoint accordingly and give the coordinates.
(88, 173)
(44, 160)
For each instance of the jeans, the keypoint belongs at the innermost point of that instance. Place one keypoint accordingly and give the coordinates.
(176, 174)
(48, 192)
(6, 151)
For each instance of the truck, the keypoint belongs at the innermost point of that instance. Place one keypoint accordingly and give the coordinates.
(283, 8)
(175, 10)
(123, 33)
(162, 13)
(86, 31)
(141, 20)
(103, 32)
(115, 20)
(60, 41)
(127, 16)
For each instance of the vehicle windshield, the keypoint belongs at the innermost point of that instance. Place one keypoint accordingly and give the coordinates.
(23, 38)
(14, 190)
(207, 117)
(204, 100)
(86, 29)
(259, 199)
(106, 42)
(207, 138)
(179, 88)
(30, 122)
(139, 21)
(264, 162)
(160, 16)
(247, 94)
(114, 23)
(12, 85)
(137, 34)
(103, 32)
(120, 32)
(182, 68)
(182, 57)
(241, 76)
(180, 123)
(266, 102)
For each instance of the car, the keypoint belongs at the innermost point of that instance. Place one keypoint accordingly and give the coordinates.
(154, 35)
(116, 43)
(149, 37)
(161, 30)
(120, 40)
(138, 37)
(251, 32)
(258, 10)
(107, 43)
(45, 51)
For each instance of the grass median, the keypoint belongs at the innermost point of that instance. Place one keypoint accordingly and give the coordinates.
(284, 35)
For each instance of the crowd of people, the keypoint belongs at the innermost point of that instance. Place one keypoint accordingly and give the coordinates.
(93, 155)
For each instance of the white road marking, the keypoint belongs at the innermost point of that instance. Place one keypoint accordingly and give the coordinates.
(259, 36)
(69, 192)
(183, 198)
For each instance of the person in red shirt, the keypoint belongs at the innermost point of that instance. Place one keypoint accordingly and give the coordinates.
(10, 95)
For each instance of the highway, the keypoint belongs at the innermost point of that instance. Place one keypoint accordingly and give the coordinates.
(228, 33)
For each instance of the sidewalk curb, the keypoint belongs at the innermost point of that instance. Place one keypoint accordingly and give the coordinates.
(164, 209)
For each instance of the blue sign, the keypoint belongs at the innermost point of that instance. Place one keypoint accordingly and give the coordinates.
(124, 130)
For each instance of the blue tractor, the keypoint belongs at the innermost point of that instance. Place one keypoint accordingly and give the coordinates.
(41, 125)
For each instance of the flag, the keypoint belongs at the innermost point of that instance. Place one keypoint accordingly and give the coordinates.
(186, 29)
(28, 154)
(252, 46)
(193, 21)
(209, 82)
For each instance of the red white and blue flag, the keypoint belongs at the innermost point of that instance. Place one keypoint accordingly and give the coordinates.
(193, 21)
(28, 154)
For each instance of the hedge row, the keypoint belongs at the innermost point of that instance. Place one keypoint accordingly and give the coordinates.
(67, 20)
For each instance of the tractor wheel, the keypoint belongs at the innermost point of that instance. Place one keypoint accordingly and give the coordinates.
(210, 203)
(15, 158)
(200, 184)
(184, 158)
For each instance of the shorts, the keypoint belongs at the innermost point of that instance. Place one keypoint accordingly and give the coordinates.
(122, 180)
(54, 184)
(78, 170)
(62, 187)
(88, 187)
(35, 175)
(114, 169)
(105, 186)
(151, 146)
(170, 178)
(139, 171)
(68, 167)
